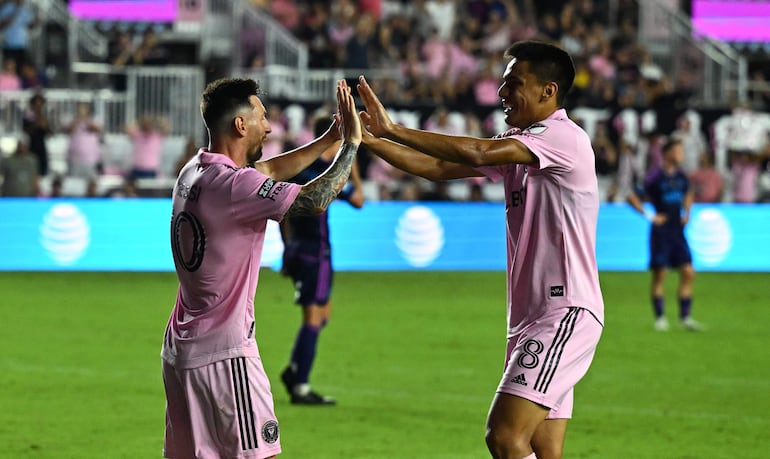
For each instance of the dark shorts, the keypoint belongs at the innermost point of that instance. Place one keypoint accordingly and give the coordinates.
(312, 275)
(668, 249)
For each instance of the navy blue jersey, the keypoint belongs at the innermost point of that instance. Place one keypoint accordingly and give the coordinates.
(310, 232)
(667, 193)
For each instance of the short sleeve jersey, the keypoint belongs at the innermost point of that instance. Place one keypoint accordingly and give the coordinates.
(218, 224)
(666, 193)
(551, 209)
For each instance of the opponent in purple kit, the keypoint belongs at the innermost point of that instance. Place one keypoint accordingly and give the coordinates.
(218, 399)
(307, 259)
(555, 306)
(668, 189)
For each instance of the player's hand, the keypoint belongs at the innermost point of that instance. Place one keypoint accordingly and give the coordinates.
(334, 132)
(685, 220)
(376, 120)
(351, 124)
(659, 219)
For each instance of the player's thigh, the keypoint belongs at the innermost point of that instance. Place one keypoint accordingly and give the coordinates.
(313, 283)
(660, 249)
(178, 433)
(231, 409)
(514, 418)
(548, 358)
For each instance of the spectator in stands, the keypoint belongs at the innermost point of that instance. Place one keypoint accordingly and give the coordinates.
(20, 173)
(487, 84)
(84, 153)
(31, 77)
(120, 54)
(440, 121)
(745, 174)
(37, 127)
(9, 78)
(279, 135)
(606, 162)
(313, 32)
(150, 51)
(147, 137)
(630, 173)
(706, 181)
(16, 19)
(693, 141)
(359, 48)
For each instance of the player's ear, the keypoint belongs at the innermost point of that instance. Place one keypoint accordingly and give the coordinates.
(550, 90)
(239, 125)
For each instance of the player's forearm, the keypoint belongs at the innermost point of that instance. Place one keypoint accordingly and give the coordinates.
(293, 162)
(415, 162)
(457, 149)
(317, 194)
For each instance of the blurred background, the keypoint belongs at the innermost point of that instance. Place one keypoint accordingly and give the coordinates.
(100, 98)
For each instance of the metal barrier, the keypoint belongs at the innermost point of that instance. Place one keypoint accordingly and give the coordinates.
(311, 85)
(718, 71)
(171, 92)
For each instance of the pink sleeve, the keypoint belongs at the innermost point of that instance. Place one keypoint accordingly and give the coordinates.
(257, 197)
(555, 148)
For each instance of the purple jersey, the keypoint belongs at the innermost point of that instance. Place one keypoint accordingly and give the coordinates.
(552, 208)
(220, 213)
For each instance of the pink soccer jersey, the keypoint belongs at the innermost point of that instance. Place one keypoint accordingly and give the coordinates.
(220, 213)
(551, 209)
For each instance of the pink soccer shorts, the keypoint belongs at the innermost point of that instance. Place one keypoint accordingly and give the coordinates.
(548, 357)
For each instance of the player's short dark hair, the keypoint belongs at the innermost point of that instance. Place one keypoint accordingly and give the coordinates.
(670, 144)
(548, 62)
(224, 97)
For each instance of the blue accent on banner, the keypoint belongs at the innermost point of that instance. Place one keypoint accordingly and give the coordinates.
(133, 235)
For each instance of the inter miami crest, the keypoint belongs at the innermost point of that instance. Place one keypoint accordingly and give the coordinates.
(270, 431)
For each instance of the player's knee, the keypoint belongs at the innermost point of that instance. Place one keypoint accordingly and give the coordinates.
(503, 442)
(550, 450)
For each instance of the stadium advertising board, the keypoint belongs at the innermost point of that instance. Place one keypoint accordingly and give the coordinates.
(133, 235)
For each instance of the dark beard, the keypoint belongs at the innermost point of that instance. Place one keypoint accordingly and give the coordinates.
(254, 156)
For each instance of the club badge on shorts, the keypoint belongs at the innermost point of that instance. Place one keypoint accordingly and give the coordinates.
(270, 431)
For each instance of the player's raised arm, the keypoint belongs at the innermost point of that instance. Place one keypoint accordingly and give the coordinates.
(291, 163)
(470, 151)
(317, 194)
(416, 163)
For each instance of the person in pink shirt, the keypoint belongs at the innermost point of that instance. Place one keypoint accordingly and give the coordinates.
(555, 305)
(9, 77)
(218, 398)
(147, 137)
(706, 180)
(84, 152)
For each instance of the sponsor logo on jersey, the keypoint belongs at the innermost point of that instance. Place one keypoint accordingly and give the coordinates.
(266, 188)
(557, 290)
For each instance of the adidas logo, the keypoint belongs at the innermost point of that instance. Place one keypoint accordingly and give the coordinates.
(519, 379)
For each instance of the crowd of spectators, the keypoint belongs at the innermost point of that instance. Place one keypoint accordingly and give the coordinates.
(447, 56)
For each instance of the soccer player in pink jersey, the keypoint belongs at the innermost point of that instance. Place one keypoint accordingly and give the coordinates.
(555, 305)
(218, 399)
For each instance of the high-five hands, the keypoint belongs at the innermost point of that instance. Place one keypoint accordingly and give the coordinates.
(350, 122)
(376, 120)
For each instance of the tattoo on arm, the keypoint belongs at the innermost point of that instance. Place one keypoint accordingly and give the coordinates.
(317, 194)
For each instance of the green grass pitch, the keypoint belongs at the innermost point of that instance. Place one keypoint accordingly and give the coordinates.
(413, 358)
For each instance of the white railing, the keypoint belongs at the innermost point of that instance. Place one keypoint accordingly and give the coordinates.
(171, 92)
(719, 72)
(311, 85)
